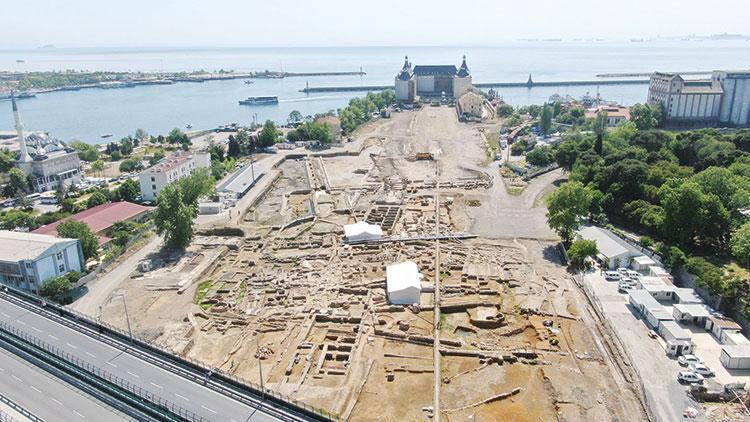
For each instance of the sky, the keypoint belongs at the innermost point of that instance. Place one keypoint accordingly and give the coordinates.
(253, 23)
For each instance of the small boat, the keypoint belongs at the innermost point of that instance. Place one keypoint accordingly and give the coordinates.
(20, 61)
(188, 126)
(106, 135)
(249, 82)
(270, 99)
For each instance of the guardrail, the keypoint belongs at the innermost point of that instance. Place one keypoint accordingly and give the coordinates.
(158, 405)
(191, 369)
(18, 408)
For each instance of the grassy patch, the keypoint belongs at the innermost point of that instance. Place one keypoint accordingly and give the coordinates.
(201, 293)
(515, 190)
(736, 271)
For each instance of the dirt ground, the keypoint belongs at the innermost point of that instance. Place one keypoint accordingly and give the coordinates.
(286, 296)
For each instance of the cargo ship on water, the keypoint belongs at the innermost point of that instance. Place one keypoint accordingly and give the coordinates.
(270, 99)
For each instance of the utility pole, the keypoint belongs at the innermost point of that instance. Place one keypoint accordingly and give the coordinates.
(127, 316)
(260, 371)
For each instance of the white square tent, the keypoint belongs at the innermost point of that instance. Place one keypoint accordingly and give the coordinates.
(403, 283)
(360, 232)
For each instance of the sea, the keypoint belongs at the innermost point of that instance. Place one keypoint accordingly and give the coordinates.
(89, 113)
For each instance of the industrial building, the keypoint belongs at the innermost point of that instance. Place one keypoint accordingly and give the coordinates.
(678, 339)
(171, 169)
(723, 99)
(47, 161)
(411, 83)
(28, 259)
(735, 357)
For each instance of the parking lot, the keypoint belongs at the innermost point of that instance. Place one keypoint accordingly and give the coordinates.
(666, 398)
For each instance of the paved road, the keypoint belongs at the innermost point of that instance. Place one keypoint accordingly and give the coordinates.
(101, 288)
(665, 396)
(46, 396)
(191, 396)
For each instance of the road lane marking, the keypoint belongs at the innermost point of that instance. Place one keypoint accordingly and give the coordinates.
(57, 401)
(72, 346)
(110, 364)
(210, 410)
(36, 329)
(76, 412)
(93, 356)
(6, 315)
(20, 322)
(53, 337)
(182, 397)
(135, 375)
(156, 385)
(36, 389)
(16, 378)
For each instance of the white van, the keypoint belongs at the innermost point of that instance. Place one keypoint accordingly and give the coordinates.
(612, 275)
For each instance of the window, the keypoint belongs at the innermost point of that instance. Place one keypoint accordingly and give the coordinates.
(28, 265)
(61, 268)
(59, 256)
(31, 279)
(153, 179)
(153, 187)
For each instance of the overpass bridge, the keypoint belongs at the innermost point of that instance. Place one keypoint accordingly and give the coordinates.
(127, 374)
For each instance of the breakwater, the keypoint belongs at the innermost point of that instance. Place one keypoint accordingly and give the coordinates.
(527, 84)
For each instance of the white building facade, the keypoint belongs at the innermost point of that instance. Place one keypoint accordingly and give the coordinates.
(432, 81)
(171, 169)
(28, 259)
(724, 99)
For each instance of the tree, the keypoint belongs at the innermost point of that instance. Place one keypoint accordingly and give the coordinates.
(115, 156)
(294, 117)
(646, 116)
(233, 147)
(580, 250)
(16, 182)
(158, 156)
(96, 198)
(545, 121)
(126, 146)
(141, 134)
(86, 152)
(97, 166)
(73, 229)
(131, 164)
(741, 243)
(565, 208)
(217, 152)
(600, 126)
(504, 110)
(268, 134)
(7, 160)
(540, 156)
(177, 206)
(176, 136)
(174, 218)
(56, 286)
(129, 190)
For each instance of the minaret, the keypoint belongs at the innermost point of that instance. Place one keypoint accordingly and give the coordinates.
(24, 157)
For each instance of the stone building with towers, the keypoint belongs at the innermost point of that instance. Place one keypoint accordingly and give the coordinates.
(46, 160)
(412, 83)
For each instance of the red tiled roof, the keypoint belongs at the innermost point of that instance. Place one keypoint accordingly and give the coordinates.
(101, 217)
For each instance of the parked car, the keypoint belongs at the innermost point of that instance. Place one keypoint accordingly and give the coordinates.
(689, 377)
(624, 287)
(612, 275)
(623, 271)
(686, 360)
(635, 275)
(702, 369)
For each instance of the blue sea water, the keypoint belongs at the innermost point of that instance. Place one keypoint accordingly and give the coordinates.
(88, 113)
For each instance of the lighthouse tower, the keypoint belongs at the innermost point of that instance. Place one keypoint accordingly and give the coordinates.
(24, 157)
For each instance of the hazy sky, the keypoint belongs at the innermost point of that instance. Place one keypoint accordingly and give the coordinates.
(252, 23)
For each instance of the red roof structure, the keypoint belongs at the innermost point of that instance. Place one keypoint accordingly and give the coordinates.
(100, 218)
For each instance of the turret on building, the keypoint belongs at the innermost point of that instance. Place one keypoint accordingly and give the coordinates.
(47, 161)
(432, 81)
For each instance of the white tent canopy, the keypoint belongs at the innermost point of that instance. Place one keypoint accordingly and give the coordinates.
(403, 283)
(362, 231)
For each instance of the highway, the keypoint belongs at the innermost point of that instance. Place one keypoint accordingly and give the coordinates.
(47, 397)
(191, 396)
